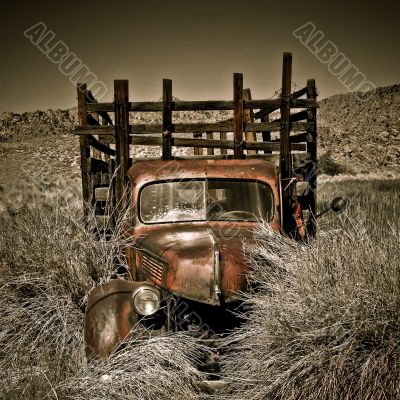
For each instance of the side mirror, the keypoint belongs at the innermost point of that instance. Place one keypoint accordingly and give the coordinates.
(338, 205)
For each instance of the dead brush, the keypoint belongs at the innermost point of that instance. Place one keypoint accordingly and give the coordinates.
(325, 320)
(49, 260)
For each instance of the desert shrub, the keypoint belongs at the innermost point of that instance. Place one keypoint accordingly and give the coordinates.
(49, 260)
(327, 165)
(325, 320)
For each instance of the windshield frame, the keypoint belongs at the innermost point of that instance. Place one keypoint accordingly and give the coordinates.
(271, 216)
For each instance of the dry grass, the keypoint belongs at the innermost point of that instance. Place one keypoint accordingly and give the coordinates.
(325, 323)
(48, 263)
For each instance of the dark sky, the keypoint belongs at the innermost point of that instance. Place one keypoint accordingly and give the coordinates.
(198, 44)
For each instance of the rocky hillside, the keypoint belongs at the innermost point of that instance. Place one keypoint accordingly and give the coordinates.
(362, 133)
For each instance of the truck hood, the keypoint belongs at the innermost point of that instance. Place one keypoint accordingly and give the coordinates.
(200, 262)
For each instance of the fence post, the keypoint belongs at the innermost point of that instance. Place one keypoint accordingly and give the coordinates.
(84, 147)
(167, 120)
(312, 154)
(121, 107)
(285, 162)
(238, 115)
(210, 151)
(249, 117)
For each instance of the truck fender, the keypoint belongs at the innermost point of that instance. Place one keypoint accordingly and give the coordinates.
(109, 317)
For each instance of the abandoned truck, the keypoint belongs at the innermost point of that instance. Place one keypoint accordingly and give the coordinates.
(190, 218)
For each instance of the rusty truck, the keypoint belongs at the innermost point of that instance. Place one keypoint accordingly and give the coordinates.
(191, 215)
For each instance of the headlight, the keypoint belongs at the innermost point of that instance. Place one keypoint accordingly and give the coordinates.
(146, 301)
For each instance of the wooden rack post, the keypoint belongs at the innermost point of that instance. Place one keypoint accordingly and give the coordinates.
(312, 154)
(285, 163)
(121, 108)
(210, 135)
(84, 147)
(223, 136)
(167, 120)
(238, 115)
(249, 117)
(198, 151)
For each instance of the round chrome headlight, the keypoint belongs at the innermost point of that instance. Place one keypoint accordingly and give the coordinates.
(146, 301)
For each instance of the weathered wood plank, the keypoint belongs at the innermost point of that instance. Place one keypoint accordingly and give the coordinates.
(238, 114)
(299, 116)
(121, 102)
(272, 146)
(167, 128)
(299, 93)
(100, 107)
(223, 136)
(312, 155)
(94, 130)
(304, 103)
(249, 117)
(211, 143)
(210, 150)
(197, 150)
(266, 106)
(285, 165)
(204, 127)
(101, 147)
(222, 127)
(266, 133)
(276, 126)
(84, 147)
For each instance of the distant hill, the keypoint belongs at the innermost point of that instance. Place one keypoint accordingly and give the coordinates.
(362, 133)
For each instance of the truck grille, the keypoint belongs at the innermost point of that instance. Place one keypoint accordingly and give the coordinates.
(153, 269)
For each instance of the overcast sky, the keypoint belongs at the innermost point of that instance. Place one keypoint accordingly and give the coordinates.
(197, 44)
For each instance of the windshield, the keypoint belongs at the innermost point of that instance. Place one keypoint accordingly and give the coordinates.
(206, 200)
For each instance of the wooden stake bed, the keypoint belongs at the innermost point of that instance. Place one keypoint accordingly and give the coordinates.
(102, 166)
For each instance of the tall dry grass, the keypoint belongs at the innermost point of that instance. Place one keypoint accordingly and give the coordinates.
(48, 262)
(325, 321)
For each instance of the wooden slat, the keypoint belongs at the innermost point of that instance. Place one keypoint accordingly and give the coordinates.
(84, 147)
(276, 126)
(146, 106)
(299, 93)
(190, 128)
(304, 103)
(285, 166)
(147, 128)
(210, 150)
(267, 106)
(266, 133)
(197, 150)
(121, 101)
(205, 143)
(223, 136)
(208, 105)
(104, 122)
(94, 130)
(211, 143)
(167, 119)
(249, 117)
(101, 147)
(99, 107)
(264, 112)
(299, 116)
(203, 127)
(238, 114)
(271, 146)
